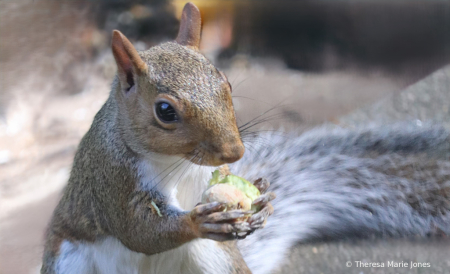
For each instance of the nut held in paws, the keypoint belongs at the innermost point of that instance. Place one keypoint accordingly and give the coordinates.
(234, 191)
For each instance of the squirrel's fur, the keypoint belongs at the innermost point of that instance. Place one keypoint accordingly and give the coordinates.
(335, 183)
(121, 212)
(130, 204)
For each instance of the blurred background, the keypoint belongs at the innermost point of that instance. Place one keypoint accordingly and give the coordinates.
(346, 62)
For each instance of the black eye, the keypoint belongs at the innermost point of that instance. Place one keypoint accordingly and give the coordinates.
(166, 113)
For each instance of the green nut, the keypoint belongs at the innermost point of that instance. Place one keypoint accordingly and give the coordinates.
(239, 193)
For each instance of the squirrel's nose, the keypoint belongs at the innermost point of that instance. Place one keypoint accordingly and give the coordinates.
(232, 152)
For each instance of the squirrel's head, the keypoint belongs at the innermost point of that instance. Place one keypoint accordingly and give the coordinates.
(173, 101)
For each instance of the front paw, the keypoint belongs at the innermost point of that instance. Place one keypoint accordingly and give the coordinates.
(259, 219)
(211, 222)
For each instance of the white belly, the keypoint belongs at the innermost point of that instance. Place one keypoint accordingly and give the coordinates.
(110, 256)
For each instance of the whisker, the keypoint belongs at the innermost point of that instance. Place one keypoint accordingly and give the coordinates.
(259, 142)
(263, 120)
(251, 147)
(157, 184)
(249, 135)
(236, 77)
(198, 166)
(184, 171)
(249, 98)
(259, 116)
(235, 88)
(260, 138)
(159, 174)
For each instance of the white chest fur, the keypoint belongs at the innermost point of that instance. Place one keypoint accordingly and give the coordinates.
(183, 183)
(180, 180)
(109, 256)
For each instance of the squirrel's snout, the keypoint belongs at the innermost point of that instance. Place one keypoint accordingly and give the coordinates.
(231, 153)
(227, 153)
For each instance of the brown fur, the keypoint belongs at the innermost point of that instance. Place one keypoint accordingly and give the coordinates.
(208, 127)
(190, 27)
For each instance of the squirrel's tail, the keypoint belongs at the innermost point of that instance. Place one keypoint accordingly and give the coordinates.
(340, 183)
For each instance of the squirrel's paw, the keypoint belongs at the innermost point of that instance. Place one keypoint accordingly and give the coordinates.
(262, 184)
(212, 223)
(259, 219)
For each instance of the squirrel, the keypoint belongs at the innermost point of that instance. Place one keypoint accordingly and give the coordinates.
(130, 203)
(169, 119)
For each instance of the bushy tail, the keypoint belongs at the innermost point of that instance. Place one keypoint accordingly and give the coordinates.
(334, 183)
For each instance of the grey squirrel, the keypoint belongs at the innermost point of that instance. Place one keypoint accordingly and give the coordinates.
(170, 101)
(169, 108)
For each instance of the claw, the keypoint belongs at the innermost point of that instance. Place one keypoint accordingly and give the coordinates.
(206, 209)
(224, 216)
(262, 184)
(242, 227)
(259, 219)
(256, 219)
(264, 199)
(216, 228)
(221, 237)
(241, 236)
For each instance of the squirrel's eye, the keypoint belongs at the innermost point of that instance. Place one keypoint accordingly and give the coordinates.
(166, 113)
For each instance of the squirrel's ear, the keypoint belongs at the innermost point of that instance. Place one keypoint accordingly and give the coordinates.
(129, 63)
(190, 27)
